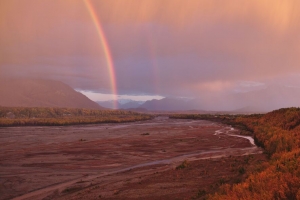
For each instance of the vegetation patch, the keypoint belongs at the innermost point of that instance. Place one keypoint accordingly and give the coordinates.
(278, 132)
(65, 116)
(183, 165)
(71, 189)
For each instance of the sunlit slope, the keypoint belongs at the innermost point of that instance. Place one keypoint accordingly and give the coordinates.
(42, 93)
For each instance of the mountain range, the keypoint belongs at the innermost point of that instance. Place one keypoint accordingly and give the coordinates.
(258, 101)
(50, 93)
(121, 104)
(264, 100)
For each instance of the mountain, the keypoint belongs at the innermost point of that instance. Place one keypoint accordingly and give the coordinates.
(259, 101)
(270, 98)
(168, 104)
(109, 104)
(42, 93)
(250, 110)
(120, 103)
(131, 104)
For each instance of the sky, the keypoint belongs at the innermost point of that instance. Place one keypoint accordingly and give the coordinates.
(158, 48)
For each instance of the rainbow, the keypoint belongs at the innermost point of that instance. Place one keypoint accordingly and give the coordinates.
(106, 49)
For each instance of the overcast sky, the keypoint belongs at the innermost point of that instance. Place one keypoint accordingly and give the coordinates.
(182, 48)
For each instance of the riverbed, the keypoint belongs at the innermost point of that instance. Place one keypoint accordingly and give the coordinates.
(39, 162)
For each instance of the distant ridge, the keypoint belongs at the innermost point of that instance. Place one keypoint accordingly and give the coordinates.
(258, 101)
(109, 104)
(42, 93)
(167, 104)
(121, 104)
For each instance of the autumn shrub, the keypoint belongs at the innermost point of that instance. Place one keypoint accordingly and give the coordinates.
(183, 165)
(278, 133)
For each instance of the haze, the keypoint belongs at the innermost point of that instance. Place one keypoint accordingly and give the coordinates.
(159, 48)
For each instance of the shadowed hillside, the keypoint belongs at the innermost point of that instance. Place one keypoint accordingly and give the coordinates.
(42, 93)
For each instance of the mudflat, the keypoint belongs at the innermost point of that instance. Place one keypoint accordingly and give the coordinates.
(111, 161)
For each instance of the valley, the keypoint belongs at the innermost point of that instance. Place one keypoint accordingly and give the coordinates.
(111, 161)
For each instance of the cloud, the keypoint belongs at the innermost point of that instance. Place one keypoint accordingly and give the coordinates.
(159, 47)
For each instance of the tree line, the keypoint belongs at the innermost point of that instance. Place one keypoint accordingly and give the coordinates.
(22, 116)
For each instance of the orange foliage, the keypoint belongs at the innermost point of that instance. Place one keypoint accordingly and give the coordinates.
(278, 132)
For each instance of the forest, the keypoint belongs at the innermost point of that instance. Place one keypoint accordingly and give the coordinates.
(21, 116)
(278, 132)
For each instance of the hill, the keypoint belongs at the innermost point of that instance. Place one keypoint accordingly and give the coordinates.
(42, 93)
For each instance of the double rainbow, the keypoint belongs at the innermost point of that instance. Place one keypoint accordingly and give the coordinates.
(104, 43)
